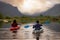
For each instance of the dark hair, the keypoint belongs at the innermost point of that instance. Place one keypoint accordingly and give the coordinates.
(14, 21)
(37, 21)
(14, 24)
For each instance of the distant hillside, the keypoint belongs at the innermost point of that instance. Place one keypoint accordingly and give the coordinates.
(9, 10)
(54, 11)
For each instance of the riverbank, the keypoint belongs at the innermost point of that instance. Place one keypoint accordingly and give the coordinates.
(24, 20)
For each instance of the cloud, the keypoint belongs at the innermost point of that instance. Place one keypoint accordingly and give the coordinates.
(12, 2)
(32, 6)
(55, 1)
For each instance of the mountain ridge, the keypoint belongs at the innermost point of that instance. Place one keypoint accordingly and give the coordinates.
(9, 10)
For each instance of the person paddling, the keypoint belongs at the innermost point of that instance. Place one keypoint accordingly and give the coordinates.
(14, 26)
(38, 27)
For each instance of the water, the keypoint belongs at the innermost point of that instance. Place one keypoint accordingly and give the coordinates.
(51, 26)
(5, 25)
(26, 33)
(54, 26)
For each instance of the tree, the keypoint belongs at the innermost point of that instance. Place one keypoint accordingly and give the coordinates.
(41, 15)
(7, 17)
(24, 16)
(16, 17)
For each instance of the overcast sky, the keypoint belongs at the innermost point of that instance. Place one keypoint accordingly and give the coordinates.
(32, 6)
(18, 1)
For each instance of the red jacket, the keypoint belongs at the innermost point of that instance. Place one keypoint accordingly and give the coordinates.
(14, 24)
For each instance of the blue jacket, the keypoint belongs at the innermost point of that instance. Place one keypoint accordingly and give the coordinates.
(37, 26)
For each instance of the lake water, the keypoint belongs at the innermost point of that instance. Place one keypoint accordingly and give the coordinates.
(51, 26)
(51, 32)
(5, 25)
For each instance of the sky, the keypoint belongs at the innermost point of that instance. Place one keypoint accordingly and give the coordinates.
(31, 7)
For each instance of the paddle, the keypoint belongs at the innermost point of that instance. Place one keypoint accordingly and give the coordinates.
(26, 26)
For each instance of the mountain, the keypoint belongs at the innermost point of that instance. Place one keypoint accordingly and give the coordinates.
(9, 10)
(54, 11)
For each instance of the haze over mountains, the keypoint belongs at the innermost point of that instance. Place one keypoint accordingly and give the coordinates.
(54, 11)
(9, 10)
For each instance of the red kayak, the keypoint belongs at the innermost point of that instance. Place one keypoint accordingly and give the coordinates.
(14, 28)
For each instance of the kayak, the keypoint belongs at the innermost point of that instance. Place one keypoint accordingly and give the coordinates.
(41, 31)
(14, 28)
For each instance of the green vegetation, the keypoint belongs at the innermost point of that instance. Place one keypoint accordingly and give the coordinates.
(7, 17)
(41, 18)
(27, 19)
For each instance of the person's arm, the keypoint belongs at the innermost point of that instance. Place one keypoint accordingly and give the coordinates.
(11, 25)
(40, 26)
(33, 26)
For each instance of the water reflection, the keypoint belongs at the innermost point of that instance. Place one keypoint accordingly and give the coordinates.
(1, 23)
(54, 26)
(51, 26)
(26, 33)
(4, 25)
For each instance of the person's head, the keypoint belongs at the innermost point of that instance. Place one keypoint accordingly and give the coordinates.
(37, 21)
(14, 21)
